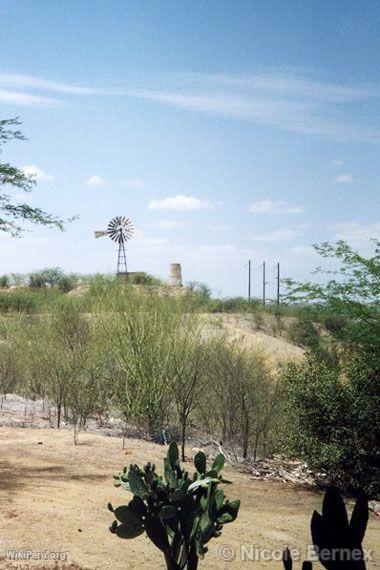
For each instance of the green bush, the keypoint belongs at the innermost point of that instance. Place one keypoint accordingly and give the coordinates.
(51, 277)
(333, 420)
(234, 305)
(4, 281)
(18, 301)
(303, 332)
(142, 278)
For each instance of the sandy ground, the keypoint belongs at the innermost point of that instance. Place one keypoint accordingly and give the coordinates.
(53, 497)
(241, 328)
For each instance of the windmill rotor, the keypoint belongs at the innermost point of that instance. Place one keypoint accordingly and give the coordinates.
(119, 230)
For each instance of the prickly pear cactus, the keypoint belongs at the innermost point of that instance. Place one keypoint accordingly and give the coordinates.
(180, 515)
(337, 541)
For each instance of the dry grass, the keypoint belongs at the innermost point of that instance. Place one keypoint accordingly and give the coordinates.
(53, 497)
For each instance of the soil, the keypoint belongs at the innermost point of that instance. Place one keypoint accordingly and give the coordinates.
(241, 328)
(54, 495)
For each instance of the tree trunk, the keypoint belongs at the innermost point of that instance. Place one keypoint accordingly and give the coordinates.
(59, 412)
(183, 425)
(246, 438)
(76, 433)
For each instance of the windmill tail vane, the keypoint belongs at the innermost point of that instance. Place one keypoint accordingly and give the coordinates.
(119, 230)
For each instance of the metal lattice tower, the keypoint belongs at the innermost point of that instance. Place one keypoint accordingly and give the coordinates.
(119, 230)
(121, 259)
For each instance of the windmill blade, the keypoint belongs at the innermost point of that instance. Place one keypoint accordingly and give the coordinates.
(120, 229)
(100, 234)
(112, 225)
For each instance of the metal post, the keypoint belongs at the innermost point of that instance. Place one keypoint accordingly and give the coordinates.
(278, 284)
(264, 283)
(249, 280)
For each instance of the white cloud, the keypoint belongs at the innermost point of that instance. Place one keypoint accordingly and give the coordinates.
(179, 202)
(274, 207)
(277, 235)
(289, 101)
(355, 233)
(27, 100)
(36, 173)
(95, 181)
(16, 80)
(344, 179)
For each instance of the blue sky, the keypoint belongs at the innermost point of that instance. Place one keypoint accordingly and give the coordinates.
(225, 130)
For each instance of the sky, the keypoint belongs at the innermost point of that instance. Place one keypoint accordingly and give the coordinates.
(226, 130)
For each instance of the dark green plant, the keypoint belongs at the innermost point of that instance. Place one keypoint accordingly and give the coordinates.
(337, 542)
(288, 561)
(51, 276)
(142, 278)
(36, 280)
(303, 332)
(4, 281)
(179, 514)
(333, 533)
(333, 420)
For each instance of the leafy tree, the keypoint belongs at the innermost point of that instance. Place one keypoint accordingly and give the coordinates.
(190, 360)
(333, 419)
(241, 398)
(352, 295)
(14, 178)
(141, 334)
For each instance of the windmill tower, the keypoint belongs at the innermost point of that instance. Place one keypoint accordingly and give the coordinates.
(119, 230)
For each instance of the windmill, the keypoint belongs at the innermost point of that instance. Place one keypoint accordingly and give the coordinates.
(119, 230)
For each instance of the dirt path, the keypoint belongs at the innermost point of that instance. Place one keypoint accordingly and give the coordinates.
(53, 497)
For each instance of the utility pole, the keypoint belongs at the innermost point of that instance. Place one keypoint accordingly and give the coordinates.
(264, 283)
(249, 280)
(278, 284)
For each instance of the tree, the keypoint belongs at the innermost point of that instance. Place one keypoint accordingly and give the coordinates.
(333, 420)
(189, 378)
(141, 333)
(352, 296)
(332, 403)
(14, 178)
(242, 397)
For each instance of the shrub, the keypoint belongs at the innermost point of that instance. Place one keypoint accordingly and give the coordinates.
(241, 399)
(36, 280)
(142, 278)
(4, 281)
(303, 332)
(18, 301)
(180, 515)
(52, 277)
(333, 422)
